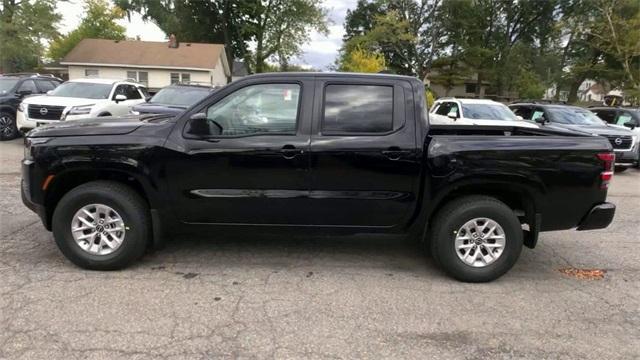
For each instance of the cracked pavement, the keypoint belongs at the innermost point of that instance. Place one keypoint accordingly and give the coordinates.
(316, 298)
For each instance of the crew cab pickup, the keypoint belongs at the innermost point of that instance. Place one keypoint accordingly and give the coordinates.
(313, 153)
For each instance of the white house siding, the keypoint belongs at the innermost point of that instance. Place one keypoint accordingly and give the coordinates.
(158, 78)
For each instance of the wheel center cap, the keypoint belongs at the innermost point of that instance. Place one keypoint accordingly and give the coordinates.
(99, 228)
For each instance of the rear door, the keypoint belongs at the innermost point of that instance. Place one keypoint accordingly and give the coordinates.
(364, 161)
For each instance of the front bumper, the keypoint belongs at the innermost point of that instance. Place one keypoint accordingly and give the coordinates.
(599, 217)
(25, 123)
(627, 158)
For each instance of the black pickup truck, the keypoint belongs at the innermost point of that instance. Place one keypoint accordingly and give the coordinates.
(313, 154)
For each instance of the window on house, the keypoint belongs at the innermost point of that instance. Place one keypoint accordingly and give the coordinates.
(132, 75)
(470, 88)
(91, 72)
(143, 78)
(175, 78)
(186, 78)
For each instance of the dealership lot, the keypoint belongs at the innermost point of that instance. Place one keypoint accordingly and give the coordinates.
(267, 297)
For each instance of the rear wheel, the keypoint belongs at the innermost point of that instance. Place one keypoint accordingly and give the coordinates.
(8, 129)
(476, 239)
(101, 225)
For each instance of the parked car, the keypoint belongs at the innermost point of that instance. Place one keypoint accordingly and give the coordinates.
(627, 117)
(456, 111)
(314, 152)
(79, 99)
(624, 141)
(14, 88)
(173, 99)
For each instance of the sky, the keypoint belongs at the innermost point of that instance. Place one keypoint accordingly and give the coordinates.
(319, 53)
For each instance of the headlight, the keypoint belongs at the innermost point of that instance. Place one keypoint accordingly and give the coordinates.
(80, 110)
(29, 143)
(21, 107)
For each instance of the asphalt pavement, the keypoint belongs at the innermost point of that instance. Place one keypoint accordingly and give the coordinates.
(316, 298)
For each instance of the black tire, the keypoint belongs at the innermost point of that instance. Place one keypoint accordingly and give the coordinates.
(8, 128)
(104, 114)
(126, 202)
(453, 216)
(620, 169)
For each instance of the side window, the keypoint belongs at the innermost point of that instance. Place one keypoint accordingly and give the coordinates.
(120, 90)
(537, 113)
(525, 112)
(455, 110)
(358, 109)
(132, 93)
(606, 115)
(444, 109)
(257, 109)
(28, 85)
(45, 85)
(623, 118)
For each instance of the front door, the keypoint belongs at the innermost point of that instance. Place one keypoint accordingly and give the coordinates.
(255, 171)
(364, 159)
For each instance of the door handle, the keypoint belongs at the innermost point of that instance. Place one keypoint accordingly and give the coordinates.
(394, 153)
(290, 151)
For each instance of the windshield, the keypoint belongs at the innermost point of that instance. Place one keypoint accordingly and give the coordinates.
(6, 85)
(82, 90)
(575, 116)
(488, 112)
(179, 96)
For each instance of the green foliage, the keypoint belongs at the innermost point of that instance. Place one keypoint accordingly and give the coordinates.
(430, 98)
(280, 27)
(24, 26)
(363, 61)
(277, 27)
(99, 23)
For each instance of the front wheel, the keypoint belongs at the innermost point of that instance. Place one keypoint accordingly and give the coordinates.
(476, 239)
(8, 129)
(101, 225)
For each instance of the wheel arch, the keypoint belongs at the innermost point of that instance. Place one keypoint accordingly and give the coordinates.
(522, 196)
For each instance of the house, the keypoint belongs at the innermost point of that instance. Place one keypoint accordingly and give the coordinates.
(464, 87)
(239, 70)
(594, 93)
(155, 64)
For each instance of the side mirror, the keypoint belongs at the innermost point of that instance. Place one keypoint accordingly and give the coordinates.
(519, 117)
(49, 92)
(453, 115)
(201, 126)
(630, 125)
(23, 93)
(119, 98)
(147, 98)
(541, 120)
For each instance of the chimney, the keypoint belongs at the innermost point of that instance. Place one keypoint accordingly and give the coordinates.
(173, 42)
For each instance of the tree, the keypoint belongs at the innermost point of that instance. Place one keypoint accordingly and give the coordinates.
(280, 27)
(99, 23)
(24, 25)
(407, 32)
(277, 28)
(360, 60)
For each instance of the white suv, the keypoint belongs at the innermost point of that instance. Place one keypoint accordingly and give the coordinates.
(454, 111)
(78, 99)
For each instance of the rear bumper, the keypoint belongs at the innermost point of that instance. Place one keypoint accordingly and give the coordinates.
(599, 217)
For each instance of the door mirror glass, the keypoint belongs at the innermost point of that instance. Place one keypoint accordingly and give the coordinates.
(119, 98)
(630, 125)
(201, 126)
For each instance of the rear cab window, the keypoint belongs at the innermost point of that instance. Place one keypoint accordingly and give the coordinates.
(357, 109)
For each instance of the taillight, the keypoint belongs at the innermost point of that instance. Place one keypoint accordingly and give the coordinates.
(608, 162)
